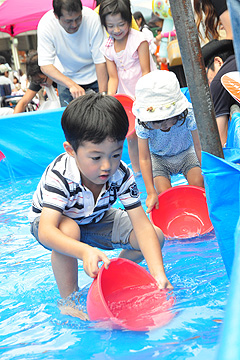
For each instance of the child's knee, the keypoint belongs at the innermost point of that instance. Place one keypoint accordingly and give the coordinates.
(70, 228)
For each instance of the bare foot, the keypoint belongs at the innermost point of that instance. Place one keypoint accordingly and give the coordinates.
(72, 310)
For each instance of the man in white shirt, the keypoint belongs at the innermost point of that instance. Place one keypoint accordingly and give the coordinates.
(72, 34)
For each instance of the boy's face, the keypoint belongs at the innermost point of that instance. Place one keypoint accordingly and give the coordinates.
(96, 162)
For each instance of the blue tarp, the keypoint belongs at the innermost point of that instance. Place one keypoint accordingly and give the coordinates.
(30, 141)
(221, 179)
(229, 343)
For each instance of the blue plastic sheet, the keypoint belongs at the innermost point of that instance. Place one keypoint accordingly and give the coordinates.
(30, 141)
(230, 345)
(222, 177)
(233, 140)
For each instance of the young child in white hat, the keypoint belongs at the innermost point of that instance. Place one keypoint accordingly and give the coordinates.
(167, 134)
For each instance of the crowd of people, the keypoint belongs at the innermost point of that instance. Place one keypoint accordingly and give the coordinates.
(89, 56)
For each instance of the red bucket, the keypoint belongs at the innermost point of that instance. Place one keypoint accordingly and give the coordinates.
(127, 103)
(182, 212)
(127, 296)
(2, 156)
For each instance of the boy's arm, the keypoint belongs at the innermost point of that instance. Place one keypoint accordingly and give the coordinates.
(144, 57)
(149, 245)
(197, 145)
(52, 237)
(146, 169)
(113, 77)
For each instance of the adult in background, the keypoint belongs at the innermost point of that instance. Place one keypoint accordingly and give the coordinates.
(212, 13)
(37, 81)
(73, 34)
(142, 24)
(219, 59)
(4, 80)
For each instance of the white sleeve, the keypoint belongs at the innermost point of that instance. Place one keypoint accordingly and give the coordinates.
(98, 35)
(46, 49)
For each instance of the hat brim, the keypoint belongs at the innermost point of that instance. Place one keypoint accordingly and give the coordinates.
(155, 113)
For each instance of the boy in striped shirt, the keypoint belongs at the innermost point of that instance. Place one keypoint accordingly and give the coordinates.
(72, 213)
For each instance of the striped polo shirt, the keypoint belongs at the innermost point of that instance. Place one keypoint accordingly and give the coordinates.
(60, 189)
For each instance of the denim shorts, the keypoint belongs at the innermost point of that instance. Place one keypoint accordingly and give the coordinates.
(111, 232)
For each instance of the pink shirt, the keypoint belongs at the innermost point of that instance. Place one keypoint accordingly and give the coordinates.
(127, 61)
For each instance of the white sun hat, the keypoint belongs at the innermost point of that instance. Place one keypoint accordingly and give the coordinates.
(3, 68)
(158, 96)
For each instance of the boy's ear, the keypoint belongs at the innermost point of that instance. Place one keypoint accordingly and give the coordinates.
(68, 148)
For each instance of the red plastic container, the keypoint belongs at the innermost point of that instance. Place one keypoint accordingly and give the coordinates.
(2, 156)
(127, 103)
(127, 296)
(182, 212)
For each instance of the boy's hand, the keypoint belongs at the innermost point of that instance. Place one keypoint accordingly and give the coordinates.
(152, 201)
(91, 258)
(163, 282)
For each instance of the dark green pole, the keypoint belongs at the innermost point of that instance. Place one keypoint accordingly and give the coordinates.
(182, 13)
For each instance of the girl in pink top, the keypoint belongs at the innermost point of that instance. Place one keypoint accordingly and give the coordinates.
(127, 57)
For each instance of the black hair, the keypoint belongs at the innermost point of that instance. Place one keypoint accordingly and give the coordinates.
(68, 5)
(223, 55)
(137, 16)
(181, 117)
(94, 117)
(113, 7)
(32, 67)
(2, 59)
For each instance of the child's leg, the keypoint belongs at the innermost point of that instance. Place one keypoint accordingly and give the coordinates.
(161, 184)
(136, 255)
(65, 269)
(194, 177)
(133, 151)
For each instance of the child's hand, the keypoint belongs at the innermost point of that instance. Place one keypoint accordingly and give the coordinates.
(152, 201)
(91, 258)
(163, 282)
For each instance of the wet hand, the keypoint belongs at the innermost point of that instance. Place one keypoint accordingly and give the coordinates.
(163, 282)
(151, 202)
(91, 258)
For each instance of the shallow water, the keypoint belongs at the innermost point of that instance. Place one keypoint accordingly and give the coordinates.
(31, 326)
